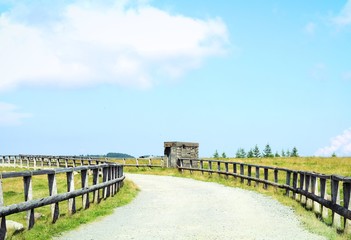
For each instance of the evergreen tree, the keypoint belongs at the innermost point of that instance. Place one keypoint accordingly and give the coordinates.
(288, 153)
(333, 155)
(267, 152)
(250, 154)
(294, 152)
(240, 153)
(283, 153)
(256, 152)
(224, 155)
(216, 155)
(276, 154)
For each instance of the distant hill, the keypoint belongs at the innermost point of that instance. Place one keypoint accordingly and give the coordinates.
(118, 155)
(111, 155)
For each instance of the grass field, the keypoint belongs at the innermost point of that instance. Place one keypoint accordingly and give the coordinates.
(43, 228)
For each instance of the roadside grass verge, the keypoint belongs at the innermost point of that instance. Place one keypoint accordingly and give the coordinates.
(44, 228)
(308, 218)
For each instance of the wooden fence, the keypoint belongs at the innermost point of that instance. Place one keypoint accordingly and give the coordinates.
(41, 161)
(327, 195)
(112, 180)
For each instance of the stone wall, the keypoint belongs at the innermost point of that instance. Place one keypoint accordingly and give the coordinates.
(175, 150)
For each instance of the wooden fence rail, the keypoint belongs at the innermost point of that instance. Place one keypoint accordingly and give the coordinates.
(327, 195)
(112, 180)
(42, 161)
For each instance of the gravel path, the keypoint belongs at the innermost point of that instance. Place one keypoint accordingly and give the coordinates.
(179, 208)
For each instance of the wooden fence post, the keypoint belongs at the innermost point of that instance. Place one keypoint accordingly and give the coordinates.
(347, 193)
(335, 195)
(210, 166)
(52, 192)
(308, 189)
(295, 184)
(324, 210)
(301, 186)
(105, 179)
(288, 176)
(257, 175)
(28, 195)
(265, 185)
(241, 172)
(314, 183)
(276, 175)
(218, 168)
(202, 166)
(249, 174)
(96, 197)
(226, 169)
(70, 188)
(3, 219)
(85, 197)
(234, 169)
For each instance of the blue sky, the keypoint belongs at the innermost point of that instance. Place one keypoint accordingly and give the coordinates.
(91, 77)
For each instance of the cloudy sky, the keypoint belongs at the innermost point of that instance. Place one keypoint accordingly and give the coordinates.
(91, 77)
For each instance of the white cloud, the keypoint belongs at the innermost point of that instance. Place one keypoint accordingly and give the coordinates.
(344, 17)
(340, 144)
(90, 43)
(9, 115)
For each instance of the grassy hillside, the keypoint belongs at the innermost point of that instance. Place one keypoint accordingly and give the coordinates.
(336, 165)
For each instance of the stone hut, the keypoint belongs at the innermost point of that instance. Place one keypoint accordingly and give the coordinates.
(175, 150)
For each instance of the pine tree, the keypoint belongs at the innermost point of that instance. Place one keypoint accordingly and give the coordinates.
(240, 153)
(224, 155)
(334, 155)
(256, 152)
(216, 155)
(288, 153)
(250, 154)
(294, 152)
(276, 154)
(283, 153)
(267, 152)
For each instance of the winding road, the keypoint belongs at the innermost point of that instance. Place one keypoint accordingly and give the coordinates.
(180, 208)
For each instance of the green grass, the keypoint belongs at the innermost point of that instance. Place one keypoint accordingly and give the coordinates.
(44, 228)
(340, 166)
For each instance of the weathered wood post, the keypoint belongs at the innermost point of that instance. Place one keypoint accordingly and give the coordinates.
(275, 175)
(241, 172)
(287, 182)
(218, 167)
(210, 166)
(3, 219)
(202, 166)
(308, 189)
(85, 197)
(234, 169)
(96, 197)
(295, 184)
(52, 192)
(249, 174)
(70, 188)
(105, 179)
(323, 183)
(347, 193)
(301, 186)
(315, 191)
(226, 169)
(257, 175)
(335, 195)
(265, 185)
(28, 195)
